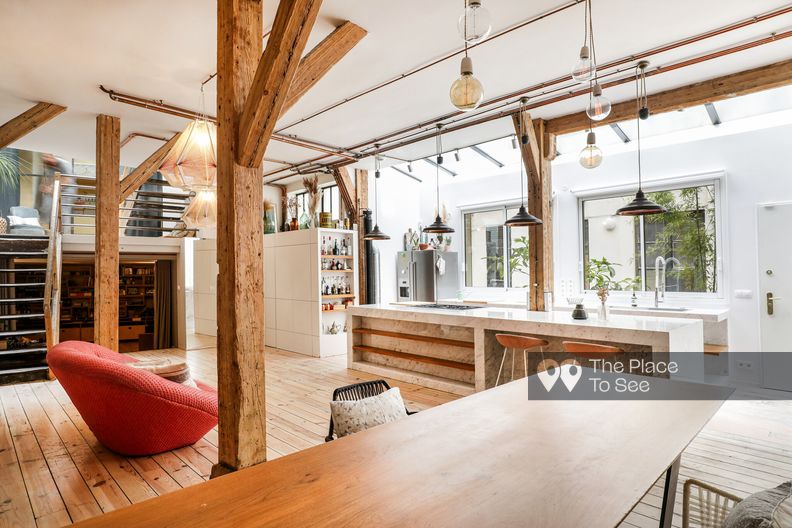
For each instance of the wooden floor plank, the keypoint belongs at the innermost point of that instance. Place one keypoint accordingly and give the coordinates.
(15, 508)
(729, 452)
(45, 499)
(77, 496)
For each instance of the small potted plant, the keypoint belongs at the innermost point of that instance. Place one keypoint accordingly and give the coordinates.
(601, 276)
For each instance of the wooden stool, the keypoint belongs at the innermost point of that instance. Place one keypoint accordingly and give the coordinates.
(589, 350)
(511, 341)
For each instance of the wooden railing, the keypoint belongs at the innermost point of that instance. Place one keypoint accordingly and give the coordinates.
(52, 286)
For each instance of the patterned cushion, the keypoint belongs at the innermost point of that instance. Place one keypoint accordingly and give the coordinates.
(767, 509)
(353, 416)
(175, 371)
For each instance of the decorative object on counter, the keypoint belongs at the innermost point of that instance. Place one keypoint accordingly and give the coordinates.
(634, 300)
(270, 225)
(438, 226)
(412, 239)
(641, 205)
(579, 312)
(523, 217)
(334, 328)
(294, 225)
(326, 220)
(311, 185)
(376, 234)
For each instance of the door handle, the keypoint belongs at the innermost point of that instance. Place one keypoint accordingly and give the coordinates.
(770, 301)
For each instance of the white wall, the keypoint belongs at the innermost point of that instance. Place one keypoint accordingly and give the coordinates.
(400, 209)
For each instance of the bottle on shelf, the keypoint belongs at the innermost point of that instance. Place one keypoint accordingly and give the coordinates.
(335, 247)
(324, 249)
(343, 247)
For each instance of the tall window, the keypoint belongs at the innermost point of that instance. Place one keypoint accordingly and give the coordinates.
(495, 256)
(685, 236)
(330, 202)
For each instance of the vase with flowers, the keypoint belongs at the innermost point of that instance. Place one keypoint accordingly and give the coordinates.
(311, 185)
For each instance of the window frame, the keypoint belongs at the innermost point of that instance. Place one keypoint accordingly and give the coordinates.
(302, 195)
(716, 179)
(503, 206)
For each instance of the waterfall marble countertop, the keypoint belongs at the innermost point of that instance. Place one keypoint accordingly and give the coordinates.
(667, 334)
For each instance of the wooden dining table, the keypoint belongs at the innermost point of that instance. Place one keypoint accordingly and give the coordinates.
(495, 458)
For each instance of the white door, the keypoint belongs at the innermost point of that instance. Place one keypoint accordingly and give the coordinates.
(775, 293)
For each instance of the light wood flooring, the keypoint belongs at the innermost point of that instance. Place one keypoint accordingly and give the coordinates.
(53, 471)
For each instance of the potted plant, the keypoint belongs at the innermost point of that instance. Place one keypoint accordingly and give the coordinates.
(601, 276)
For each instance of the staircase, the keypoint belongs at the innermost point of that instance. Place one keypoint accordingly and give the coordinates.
(29, 300)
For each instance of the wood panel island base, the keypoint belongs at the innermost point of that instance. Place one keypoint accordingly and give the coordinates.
(456, 350)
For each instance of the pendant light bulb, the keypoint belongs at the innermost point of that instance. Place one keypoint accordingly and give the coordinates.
(466, 92)
(599, 106)
(591, 155)
(584, 68)
(474, 23)
(438, 226)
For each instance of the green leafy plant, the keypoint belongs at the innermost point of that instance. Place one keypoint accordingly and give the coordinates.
(601, 276)
(688, 233)
(519, 260)
(9, 171)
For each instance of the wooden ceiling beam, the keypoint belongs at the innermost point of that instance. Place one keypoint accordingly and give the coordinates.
(145, 170)
(321, 59)
(531, 154)
(273, 78)
(746, 82)
(28, 121)
(347, 191)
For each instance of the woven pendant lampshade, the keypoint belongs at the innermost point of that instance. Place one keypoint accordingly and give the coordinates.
(202, 211)
(192, 162)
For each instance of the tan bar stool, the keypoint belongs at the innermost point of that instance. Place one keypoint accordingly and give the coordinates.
(589, 350)
(511, 342)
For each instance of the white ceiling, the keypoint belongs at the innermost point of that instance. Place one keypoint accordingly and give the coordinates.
(163, 50)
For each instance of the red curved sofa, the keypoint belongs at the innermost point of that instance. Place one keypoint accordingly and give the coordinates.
(131, 411)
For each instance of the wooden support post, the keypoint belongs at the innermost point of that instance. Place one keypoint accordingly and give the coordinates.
(28, 121)
(108, 155)
(536, 155)
(145, 170)
(361, 202)
(273, 77)
(240, 248)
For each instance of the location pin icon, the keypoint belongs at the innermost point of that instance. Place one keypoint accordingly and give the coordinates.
(545, 375)
(570, 373)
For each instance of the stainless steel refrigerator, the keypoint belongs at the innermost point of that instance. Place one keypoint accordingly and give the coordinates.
(427, 275)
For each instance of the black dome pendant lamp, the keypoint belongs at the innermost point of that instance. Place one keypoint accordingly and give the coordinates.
(641, 205)
(376, 234)
(523, 217)
(438, 226)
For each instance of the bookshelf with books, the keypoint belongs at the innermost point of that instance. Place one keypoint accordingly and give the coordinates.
(136, 294)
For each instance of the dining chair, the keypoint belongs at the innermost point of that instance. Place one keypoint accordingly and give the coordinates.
(512, 342)
(359, 391)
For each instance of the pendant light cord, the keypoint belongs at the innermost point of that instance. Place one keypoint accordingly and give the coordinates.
(591, 39)
(465, 11)
(639, 97)
(522, 161)
(438, 162)
(376, 186)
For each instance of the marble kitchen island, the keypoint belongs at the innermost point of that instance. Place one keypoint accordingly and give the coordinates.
(456, 351)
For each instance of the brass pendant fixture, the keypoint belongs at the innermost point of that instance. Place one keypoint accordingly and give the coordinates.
(438, 226)
(523, 217)
(641, 205)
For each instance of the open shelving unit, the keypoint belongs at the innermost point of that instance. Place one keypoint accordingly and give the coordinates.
(298, 315)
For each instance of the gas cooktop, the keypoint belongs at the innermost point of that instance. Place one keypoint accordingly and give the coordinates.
(449, 306)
